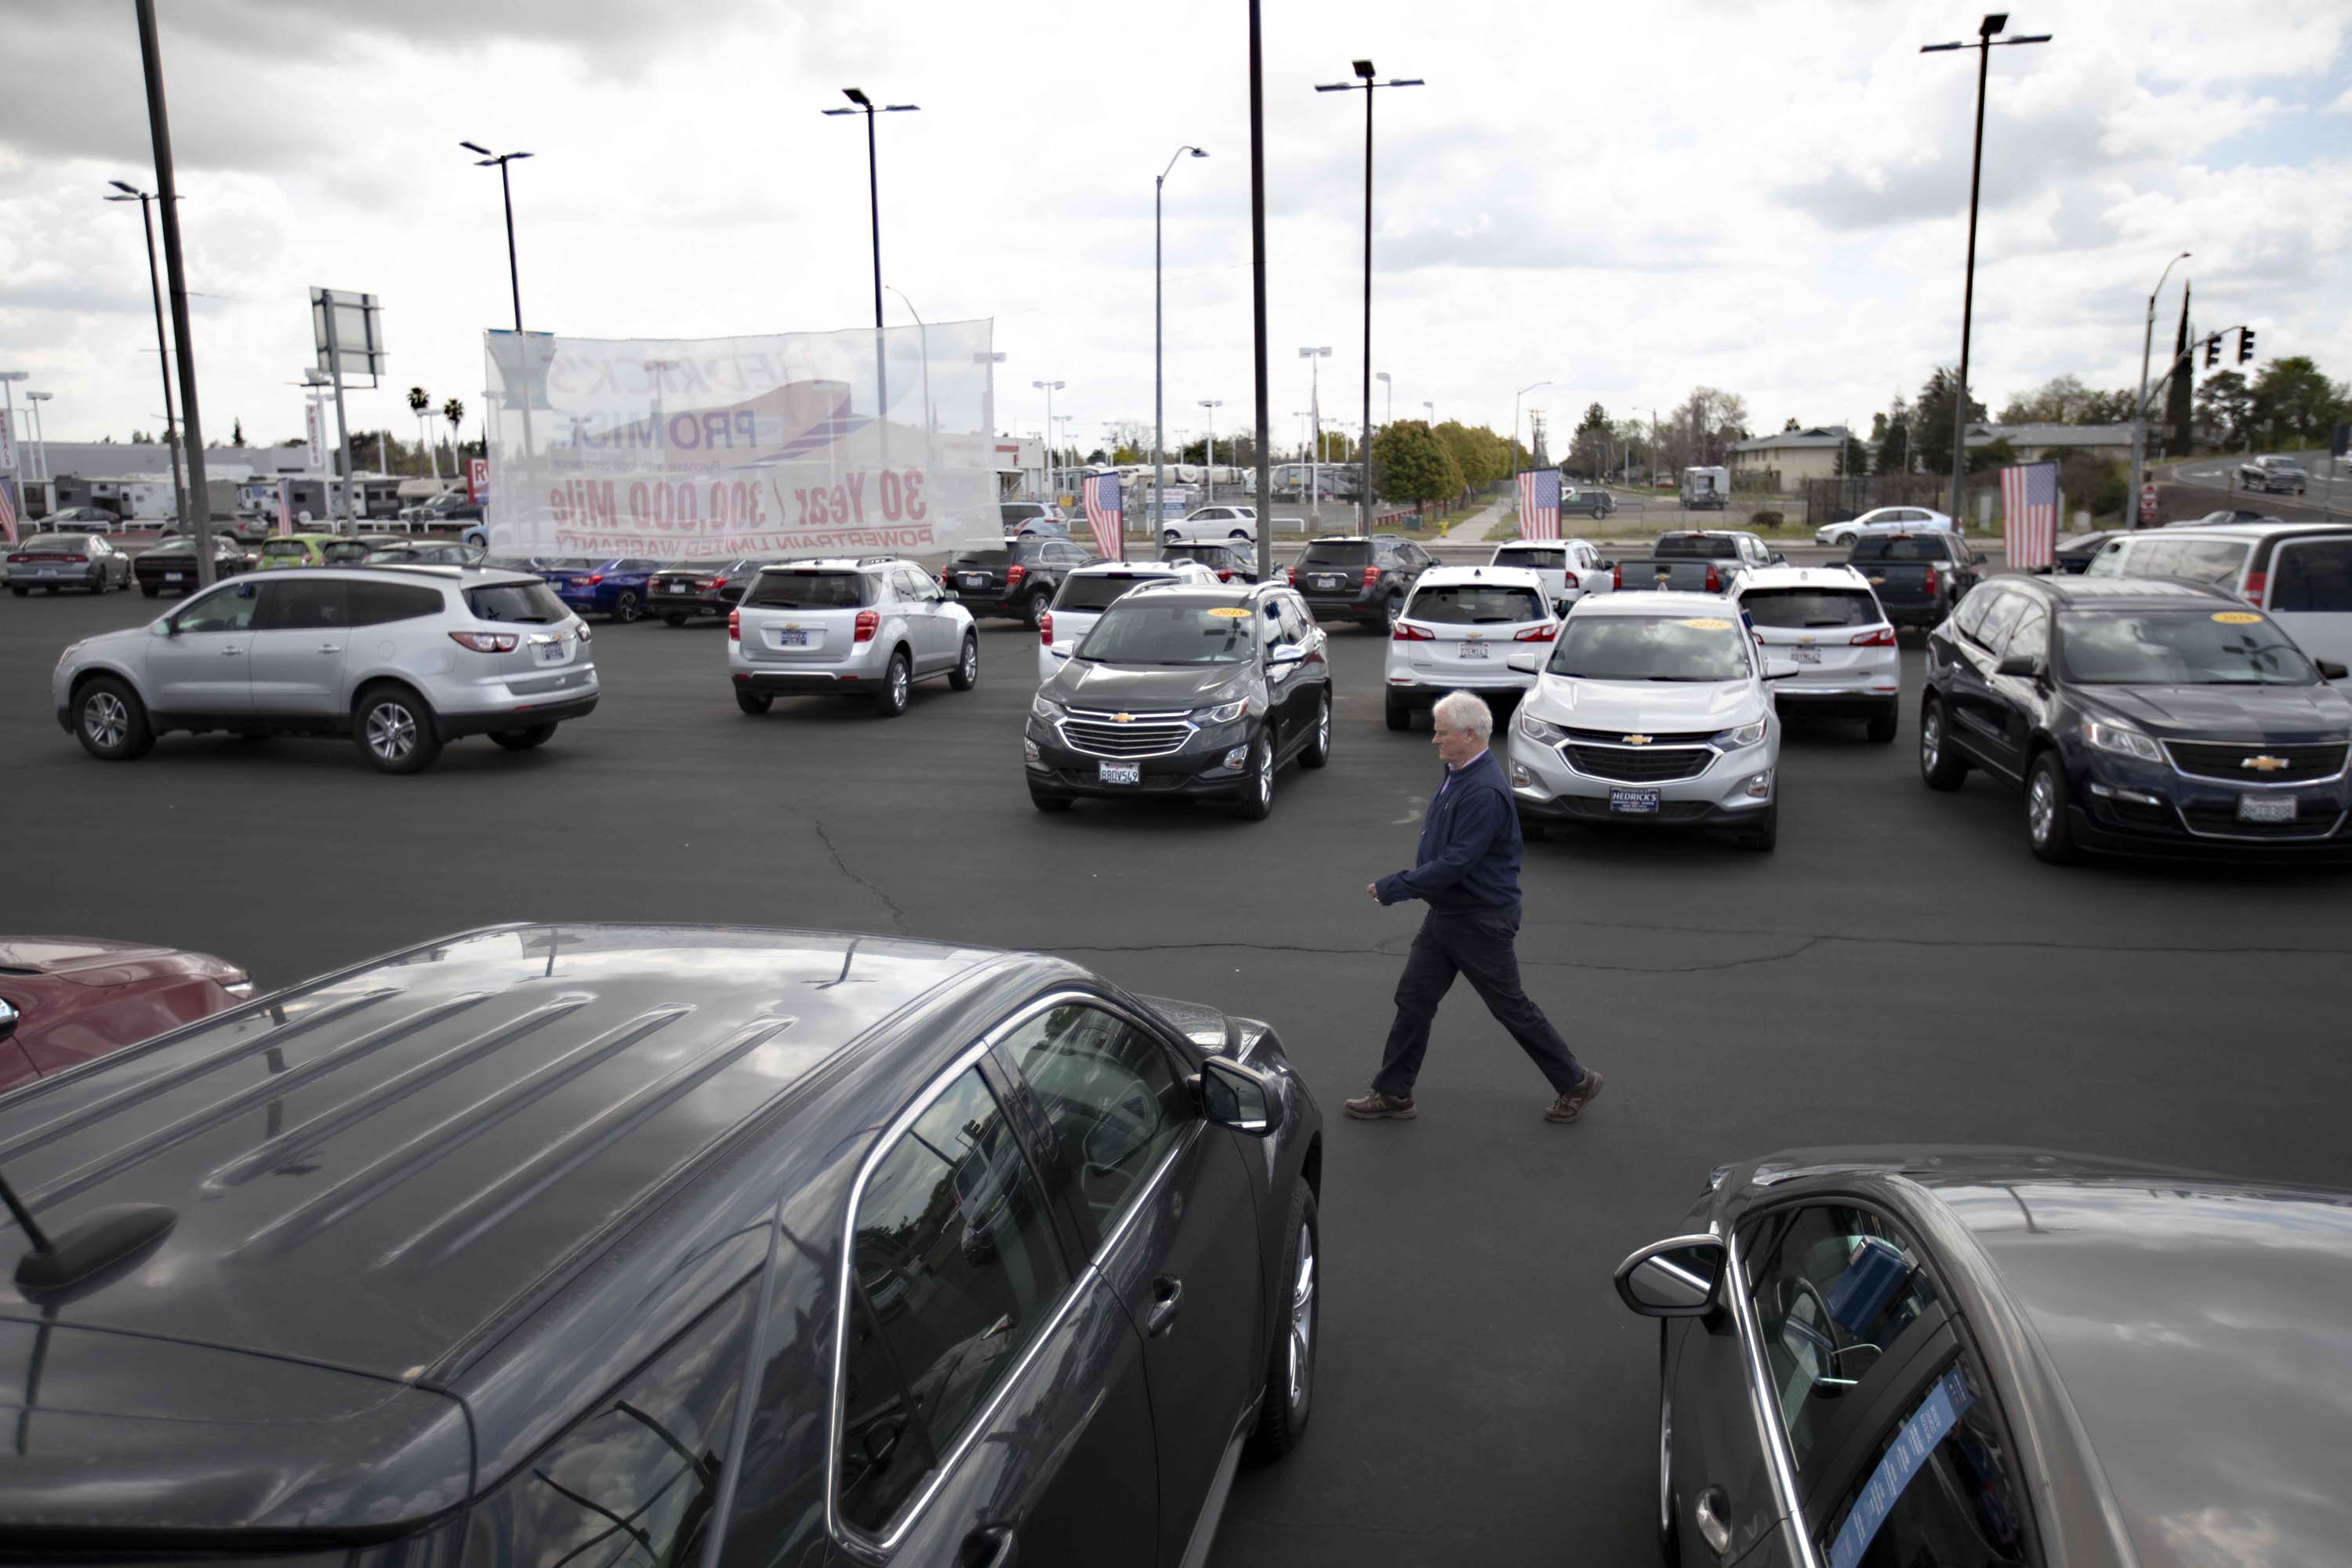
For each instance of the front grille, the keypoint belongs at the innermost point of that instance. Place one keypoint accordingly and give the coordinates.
(1148, 735)
(1638, 765)
(2222, 822)
(1657, 738)
(2208, 760)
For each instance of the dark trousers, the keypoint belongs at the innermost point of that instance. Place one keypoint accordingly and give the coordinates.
(1477, 944)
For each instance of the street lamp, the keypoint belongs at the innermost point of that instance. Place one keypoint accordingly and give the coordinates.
(1428, 412)
(1210, 468)
(868, 108)
(162, 353)
(8, 379)
(1515, 418)
(1158, 507)
(1049, 388)
(926, 331)
(2139, 408)
(1389, 387)
(40, 446)
(1314, 358)
(1368, 87)
(506, 190)
(1984, 46)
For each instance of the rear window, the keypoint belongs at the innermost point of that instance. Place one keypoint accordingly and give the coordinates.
(527, 603)
(1477, 604)
(1902, 547)
(1339, 552)
(1091, 591)
(286, 547)
(994, 555)
(809, 591)
(2313, 574)
(1802, 609)
(1021, 510)
(1533, 560)
(57, 542)
(374, 604)
(1697, 546)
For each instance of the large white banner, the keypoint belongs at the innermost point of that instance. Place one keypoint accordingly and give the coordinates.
(851, 442)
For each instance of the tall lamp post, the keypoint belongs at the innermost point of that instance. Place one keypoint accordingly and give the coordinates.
(1210, 467)
(163, 348)
(1050, 387)
(1314, 358)
(9, 380)
(1388, 389)
(1987, 41)
(1429, 413)
(2139, 408)
(868, 108)
(1159, 506)
(40, 444)
(1369, 88)
(1515, 418)
(500, 161)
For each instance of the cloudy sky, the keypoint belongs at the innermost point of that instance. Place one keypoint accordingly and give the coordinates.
(1626, 201)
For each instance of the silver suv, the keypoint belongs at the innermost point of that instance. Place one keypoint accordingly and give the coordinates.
(400, 659)
(866, 627)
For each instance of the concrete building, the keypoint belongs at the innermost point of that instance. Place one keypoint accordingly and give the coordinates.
(1793, 456)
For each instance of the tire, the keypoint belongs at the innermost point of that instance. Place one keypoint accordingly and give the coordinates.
(1392, 613)
(1317, 753)
(752, 701)
(393, 730)
(898, 687)
(18, 589)
(1399, 713)
(627, 607)
(1883, 725)
(523, 740)
(1256, 803)
(1034, 608)
(1760, 839)
(111, 721)
(1941, 767)
(673, 620)
(1841, 542)
(966, 674)
(1048, 803)
(1171, 537)
(2049, 830)
(97, 584)
(1243, 537)
(147, 588)
(1289, 1391)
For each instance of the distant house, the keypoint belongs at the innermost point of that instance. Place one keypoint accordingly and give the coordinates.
(1792, 456)
(2040, 443)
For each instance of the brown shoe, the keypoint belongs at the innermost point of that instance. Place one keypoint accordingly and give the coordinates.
(1571, 1102)
(1379, 1107)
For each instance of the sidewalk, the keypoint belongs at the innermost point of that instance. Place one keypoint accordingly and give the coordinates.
(1471, 529)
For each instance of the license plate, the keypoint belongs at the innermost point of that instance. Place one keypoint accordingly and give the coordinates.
(792, 639)
(171, 577)
(1807, 655)
(974, 580)
(1473, 650)
(1118, 773)
(1636, 801)
(554, 652)
(2265, 808)
(1330, 582)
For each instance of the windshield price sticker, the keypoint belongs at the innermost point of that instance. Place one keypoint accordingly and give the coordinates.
(2238, 618)
(1708, 624)
(1229, 613)
(1929, 1424)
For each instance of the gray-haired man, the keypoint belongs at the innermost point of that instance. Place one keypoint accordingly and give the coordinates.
(1468, 873)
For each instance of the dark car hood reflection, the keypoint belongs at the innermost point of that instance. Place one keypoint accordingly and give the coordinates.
(2279, 713)
(1084, 684)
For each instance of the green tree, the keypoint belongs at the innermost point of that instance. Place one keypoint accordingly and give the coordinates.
(1414, 464)
(454, 411)
(236, 432)
(2096, 485)
(1853, 459)
(1481, 456)
(1931, 421)
(2226, 400)
(2293, 405)
(1996, 453)
(1594, 441)
(140, 438)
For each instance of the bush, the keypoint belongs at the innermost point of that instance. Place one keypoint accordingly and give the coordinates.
(1764, 520)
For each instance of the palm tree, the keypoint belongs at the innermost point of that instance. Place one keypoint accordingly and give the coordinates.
(419, 403)
(454, 411)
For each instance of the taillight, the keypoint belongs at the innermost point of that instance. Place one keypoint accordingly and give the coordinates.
(18, 560)
(2256, 582)
(943, 578)
(1407, 632)
(1714, 580)
(594, 577)
(1290, 576)
(1883, 637)
(1044, 629)
(75, 559)
(1225, 577)
(734, 625)
(486, 642)
(1012, 575)
(1616, 577)
(710, 584)
(1539, 634)
(1371, 576)
(868, 623)
(1930, 573)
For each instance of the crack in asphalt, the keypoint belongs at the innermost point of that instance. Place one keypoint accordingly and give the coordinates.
(824, 836)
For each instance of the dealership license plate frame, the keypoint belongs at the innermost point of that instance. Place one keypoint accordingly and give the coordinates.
(1633, 801)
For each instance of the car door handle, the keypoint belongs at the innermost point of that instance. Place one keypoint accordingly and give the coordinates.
(990, 1547)
(1712, 1512)
(1167, 1296)
(330, 648)
(231, 652)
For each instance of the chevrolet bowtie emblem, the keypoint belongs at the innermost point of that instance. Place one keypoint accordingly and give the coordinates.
(2265, 764)
(1122, 718)
(1637, 740)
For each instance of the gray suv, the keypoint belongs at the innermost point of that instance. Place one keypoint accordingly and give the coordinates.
(446, 651)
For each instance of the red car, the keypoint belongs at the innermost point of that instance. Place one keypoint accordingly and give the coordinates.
(64, 1000)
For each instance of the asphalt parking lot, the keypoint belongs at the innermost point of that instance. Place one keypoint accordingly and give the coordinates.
(1900, 970)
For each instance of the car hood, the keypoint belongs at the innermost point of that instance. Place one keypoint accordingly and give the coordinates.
(1646, 705)
(2281, 713)
(93, 960)
(1084, 683)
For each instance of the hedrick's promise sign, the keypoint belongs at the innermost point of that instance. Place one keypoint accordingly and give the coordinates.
(801, 443)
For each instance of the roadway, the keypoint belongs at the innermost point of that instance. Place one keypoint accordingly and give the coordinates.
(2211, 483)
(1901, 968)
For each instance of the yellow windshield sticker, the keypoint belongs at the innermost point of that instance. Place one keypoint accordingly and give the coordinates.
(1708, 624)
(1229, 613)
(2238, 618)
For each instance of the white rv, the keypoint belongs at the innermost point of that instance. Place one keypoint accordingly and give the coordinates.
(1706, 489)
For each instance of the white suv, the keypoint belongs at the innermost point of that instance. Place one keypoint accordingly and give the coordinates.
(1088, 591)
(1570, 568)
(1219, 521)
(400, 659)
(1653, 709)
(1825, 624)
(867, 627)
(1457, 633)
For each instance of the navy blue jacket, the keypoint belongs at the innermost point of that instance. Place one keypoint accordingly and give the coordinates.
(1469, 854)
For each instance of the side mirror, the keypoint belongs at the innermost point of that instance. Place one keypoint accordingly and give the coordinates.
(163, 627)
(1976, 558)
(1234, 1096)
(1779, 559)
(1524, 663)
(8, 1016)
(1672, 1278)
(2025, 666)
(1284, 655)
(2331, 670)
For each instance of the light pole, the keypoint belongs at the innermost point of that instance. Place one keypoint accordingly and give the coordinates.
(163, 350)
(1984, 46)
(8, 379)
(1388, 389)
(1314, 358)
(2139, 408)
(1515, 419)
(506, 190)
(40, 446)
(1158, 507)
(1429, 413)
(1210, 467)
(1049, 388)
(868, 108)
(197, 517)
(1369, 88)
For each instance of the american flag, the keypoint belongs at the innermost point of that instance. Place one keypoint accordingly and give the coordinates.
(1103, 514)
(1539, 503)
(8, 510)
(2028, 515)
(285, 507)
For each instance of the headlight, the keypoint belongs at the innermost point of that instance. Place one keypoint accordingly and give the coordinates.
(2121, 741)
(1222, 713)
(1535, 730)
(1744, 735)
(1043, 706)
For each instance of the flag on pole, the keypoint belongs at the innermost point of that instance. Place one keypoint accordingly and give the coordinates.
(8, 510)
(1539, 503)
(285, 508)
(2029, 516)
(1104, 516)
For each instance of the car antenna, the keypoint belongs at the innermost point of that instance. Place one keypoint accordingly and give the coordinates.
(106, 1237)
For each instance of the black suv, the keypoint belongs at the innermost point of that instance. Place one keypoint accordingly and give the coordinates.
(1364, 579)
(685, 591)
(1184, 689)
(1018, 577)
(1918, 577)
(2140, 715)
(583, 1243)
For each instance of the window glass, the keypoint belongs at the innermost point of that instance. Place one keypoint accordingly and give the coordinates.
(1939, 1491)
(2199, 647)
(790, 589)
(2215, 561)
(1834, 1287)
(631, 1486)
(286, 550)
(2032, 638)
(1477, 604)
(991, 555)
(526, 603)
(1535, 560)
(374, 604)
(228, 608)
(1904, 547)
(1109, 1094)
(1336, 552)
(1294, 621)
(300, 606)
(955, 1258)
(1797, 609)
(1645, 647)
(2313, 574)
(1097, 590)
(2000, 615)
(1170, 632)
(2109, 561)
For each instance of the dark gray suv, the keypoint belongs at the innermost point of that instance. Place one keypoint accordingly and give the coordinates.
(660, 1246)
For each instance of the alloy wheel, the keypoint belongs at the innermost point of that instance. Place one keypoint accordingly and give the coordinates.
(1931, 738)
(1302, 1323)
(1266, 773)
(971, 662)
(898, 684)
(1395, 611)
(2041, 807)
(105, 720)
(391, 731)
(1323, 728)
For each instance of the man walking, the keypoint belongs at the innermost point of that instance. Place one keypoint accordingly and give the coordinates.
(1468, 872)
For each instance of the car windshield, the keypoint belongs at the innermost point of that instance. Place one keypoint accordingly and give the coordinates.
(528, 604)
(1533, 560)
(809, 591)
(1651, 648)
(1096, 590)
(1797, 609)
(1338, 553)
(1476, 605)
(1902, 547)
(2179, 648)
(1170, 632)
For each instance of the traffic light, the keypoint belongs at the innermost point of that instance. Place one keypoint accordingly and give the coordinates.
(2212, 351)
(2245, 344)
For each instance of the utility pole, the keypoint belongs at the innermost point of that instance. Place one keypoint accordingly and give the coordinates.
(197, 516)
(2139, 408)
(1257, 297)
